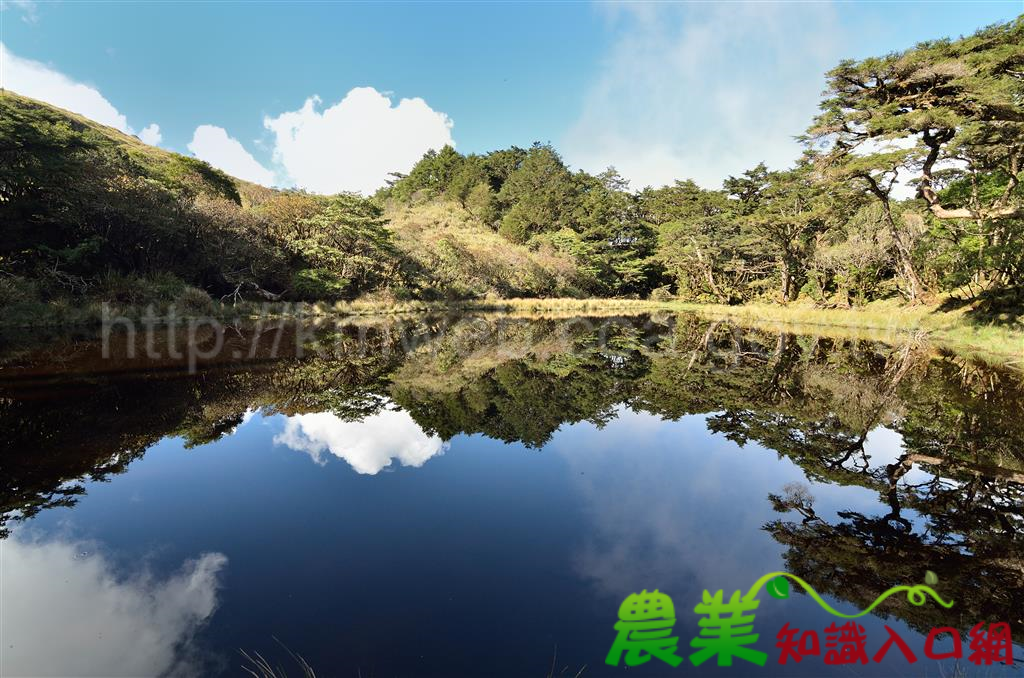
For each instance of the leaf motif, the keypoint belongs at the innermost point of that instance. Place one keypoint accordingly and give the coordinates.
(778, 588)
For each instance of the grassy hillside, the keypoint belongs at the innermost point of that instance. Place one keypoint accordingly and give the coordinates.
(24, 118)
(92, 214)
(458, 257)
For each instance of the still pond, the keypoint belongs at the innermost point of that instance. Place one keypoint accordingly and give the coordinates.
(476, 496)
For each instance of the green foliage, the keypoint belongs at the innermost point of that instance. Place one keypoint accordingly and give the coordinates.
(448, 253)
(854, 261)
(531, 198)
(787, 212)
(615, 243)
(191, 176)
(193, 301)
(91, 212)
(85, 203)
(431, 175)
(918, 111)
(749, 188)
(80, 201)
(319, 283)
(482, 203)
(344, 247)
(662, 293)
(700, 242)
(537, 196)
(471, 174)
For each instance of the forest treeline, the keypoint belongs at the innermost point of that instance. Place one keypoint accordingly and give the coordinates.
(909, 187)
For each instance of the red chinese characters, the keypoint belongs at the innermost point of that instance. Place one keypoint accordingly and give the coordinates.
(797, 649)
(847, 644)
(894, 638)
(991, 645)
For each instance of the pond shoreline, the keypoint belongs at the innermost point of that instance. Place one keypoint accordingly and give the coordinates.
(886, 320)
(954, 330)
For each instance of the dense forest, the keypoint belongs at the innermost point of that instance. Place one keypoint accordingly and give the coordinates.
(909, 187)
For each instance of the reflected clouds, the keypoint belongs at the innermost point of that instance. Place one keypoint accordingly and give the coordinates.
(67, 612)
(885, 446)
(368, 445)
(658, 521)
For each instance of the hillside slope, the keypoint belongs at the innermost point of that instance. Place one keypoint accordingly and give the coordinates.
(452, 254)
(92, 214)
(25, 121)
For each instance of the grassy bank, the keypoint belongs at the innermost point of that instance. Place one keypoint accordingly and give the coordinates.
(885, 321)
(92, 313)
(546, 307)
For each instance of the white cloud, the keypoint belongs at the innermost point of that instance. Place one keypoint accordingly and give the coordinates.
(28, 8)
(66, 613)
(368, 445)
(212, 144)
(151, 135)
(349, 146)
(39, 81)
(702, 91)
(354, 144)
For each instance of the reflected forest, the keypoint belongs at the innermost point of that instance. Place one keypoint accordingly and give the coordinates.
(953, 495)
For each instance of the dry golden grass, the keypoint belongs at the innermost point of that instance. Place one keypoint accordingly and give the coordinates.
(541, 307)
(463, 258)
(886, 321)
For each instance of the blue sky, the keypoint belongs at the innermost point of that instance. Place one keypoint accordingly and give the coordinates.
(662, 91)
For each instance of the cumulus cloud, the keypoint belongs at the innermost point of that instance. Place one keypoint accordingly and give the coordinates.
(702, 91)
(215, 146)
(39, 81)
(368, 445)
(354, 144)
(66, 613)
(349, 146)
(151, 135)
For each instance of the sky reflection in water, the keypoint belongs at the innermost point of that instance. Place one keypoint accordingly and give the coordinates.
(372, 544)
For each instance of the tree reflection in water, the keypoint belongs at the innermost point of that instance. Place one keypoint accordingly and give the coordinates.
(953, 489)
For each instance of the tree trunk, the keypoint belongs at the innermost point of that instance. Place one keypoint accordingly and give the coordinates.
(915, 288)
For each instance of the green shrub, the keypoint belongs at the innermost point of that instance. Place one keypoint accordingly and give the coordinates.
(319, 284)
(134, 289)
(194, 301)
(21, 301)
(661, 294)
(449, 253)
(15, 290)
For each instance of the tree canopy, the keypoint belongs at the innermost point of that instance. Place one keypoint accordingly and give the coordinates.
(910, 185)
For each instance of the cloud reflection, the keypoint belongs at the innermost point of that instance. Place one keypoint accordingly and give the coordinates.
(660, 499)
(65, 612)
(368, 445)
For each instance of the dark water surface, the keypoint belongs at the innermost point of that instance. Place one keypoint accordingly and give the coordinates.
(477, 496)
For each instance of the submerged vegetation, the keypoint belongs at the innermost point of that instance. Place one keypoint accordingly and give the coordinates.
(93, 215)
